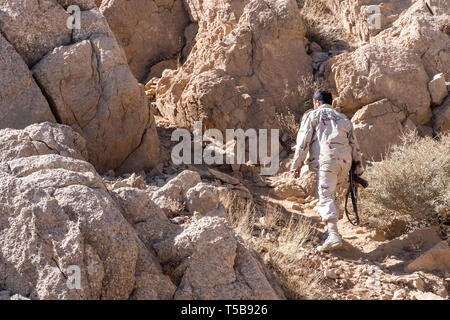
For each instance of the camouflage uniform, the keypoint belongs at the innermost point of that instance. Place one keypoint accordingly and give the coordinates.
(326, 137)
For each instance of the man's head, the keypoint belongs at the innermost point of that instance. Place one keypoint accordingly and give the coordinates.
(322, 97)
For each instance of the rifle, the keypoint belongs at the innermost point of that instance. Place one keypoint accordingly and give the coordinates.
(353, 192)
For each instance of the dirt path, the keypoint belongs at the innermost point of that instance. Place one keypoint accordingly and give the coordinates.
(364, 268)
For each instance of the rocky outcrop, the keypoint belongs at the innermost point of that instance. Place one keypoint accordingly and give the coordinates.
(59, 221)
(85, 78)
(150, 31)
(372, 73)
(203, 256)
(247, 61)
(209, 262)
(21, 103)
(423, 28)
(359, 17)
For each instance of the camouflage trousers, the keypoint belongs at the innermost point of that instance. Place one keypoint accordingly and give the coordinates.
(331, 179)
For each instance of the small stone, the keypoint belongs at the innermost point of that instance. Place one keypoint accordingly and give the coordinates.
(224, 177)
(315, 47)
(331, 273)
(438, 89)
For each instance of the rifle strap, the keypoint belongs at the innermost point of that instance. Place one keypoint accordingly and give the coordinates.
(353, 192)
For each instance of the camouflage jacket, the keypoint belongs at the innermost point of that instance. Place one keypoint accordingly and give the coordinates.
(327, 138)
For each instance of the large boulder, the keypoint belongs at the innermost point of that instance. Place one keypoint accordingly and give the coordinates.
(247, 61)
(207, 261)
(378, 126)
(375, 72)
(22, 102)
(150, 31)
(85, 78)
(58, 222)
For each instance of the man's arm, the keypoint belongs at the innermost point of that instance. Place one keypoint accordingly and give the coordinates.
(303, 140)
(356, 153)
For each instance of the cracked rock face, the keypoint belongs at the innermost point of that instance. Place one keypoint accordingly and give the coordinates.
(379, 125)
(21, 103)
(150, 31)
(57, 213)
(247, 61)
(373, 72)
(423, 28)
(209, 262)
(84, 76)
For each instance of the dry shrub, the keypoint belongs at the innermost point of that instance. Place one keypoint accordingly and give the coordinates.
(288, 124)
(411, 184)
(289, 121)
(323, 27)
(283, 245)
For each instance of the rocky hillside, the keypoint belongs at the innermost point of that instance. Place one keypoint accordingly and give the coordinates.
(92, 206)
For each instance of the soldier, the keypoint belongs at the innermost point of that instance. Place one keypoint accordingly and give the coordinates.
(327, 136)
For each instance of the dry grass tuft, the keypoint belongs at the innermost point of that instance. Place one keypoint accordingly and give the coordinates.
(288, 121)
(411, 183)
(282, 242)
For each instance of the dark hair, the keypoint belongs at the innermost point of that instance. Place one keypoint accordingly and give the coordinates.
(323, 96)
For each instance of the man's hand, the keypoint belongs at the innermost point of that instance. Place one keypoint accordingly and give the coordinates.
(297, 172)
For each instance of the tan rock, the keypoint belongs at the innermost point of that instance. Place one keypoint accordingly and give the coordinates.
(133, 181)
(247, 60)
(372, 73)
(150, 31)
(209, 262)
(34, 27)
(21, 103)
(202, 198)
(422, 28)
(157, 70)
(437, 258)
(355, 15)
(315, 47)
(61, 219)
(224, 177)
(438, 89)
(91, 89)
(44, 138)
(377, 127)
(172, 195)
